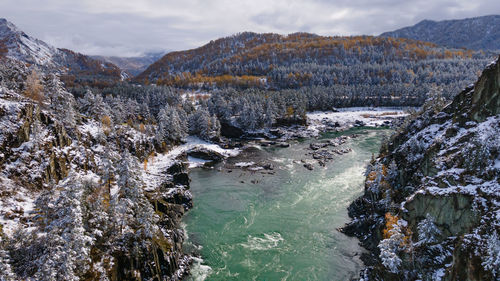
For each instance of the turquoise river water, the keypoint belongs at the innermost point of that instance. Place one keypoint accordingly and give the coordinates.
(249, 225)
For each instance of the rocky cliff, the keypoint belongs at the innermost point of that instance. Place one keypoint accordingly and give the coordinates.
(431, 205)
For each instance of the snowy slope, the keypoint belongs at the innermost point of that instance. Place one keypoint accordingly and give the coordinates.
(75, 66)
(24, 47)
(472, 33)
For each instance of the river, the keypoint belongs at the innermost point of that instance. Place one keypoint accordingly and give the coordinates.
(250, 225)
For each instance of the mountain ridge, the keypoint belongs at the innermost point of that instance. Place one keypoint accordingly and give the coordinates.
(132, 65)
(473, 33)
(75, 68)
(300, 60)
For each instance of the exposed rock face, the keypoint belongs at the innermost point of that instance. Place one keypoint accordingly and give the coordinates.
(230, 131)
(442, 166)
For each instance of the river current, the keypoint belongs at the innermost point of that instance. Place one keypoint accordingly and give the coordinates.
(251, 225)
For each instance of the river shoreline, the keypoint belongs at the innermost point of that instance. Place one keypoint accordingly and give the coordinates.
(200, 156)
(286, 189)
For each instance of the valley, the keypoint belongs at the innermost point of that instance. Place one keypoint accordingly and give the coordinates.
(255, 156)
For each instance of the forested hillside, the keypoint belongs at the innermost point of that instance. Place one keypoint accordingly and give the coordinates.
(386, 68)
(78, 199)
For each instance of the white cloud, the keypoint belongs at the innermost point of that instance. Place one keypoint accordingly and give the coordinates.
(117, 27)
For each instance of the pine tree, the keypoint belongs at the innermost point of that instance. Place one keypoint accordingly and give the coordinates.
(134, 212)
(492, 259)
(390, 247)
(427, 231)
(6, 273)
(61, 102)
(170, 127)
(203, 125)
(67, 245)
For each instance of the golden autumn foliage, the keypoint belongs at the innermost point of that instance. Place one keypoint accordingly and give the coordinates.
(106, 124)
(34, 88)
(274, 49)
(3, 48)
(147, 159)
(186, 79)
(372, 176)
(390, 222)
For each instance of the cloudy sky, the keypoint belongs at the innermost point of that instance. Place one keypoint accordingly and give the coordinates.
(132, 27)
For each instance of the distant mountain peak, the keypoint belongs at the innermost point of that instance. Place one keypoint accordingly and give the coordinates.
(23, 47)
(75, 68)
(478, 33)
(7, 25)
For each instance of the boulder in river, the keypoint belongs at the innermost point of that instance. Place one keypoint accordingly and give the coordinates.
(205, 154)
(316, 146)
(283, 144)
(359, 123)
(308, 166)
(268, 166)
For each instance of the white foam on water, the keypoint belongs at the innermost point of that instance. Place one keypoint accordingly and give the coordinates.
(199, 271)
(279, 160)
(251, 217)
(196, 162)
(347, 179)
(267, 242)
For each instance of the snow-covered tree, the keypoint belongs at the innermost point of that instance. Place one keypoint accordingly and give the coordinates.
(107, 170)
(94, 106)
(427, 231)
(6, 273)
(392, 173)
(61, 101)
(248, 118)
(134, 212)
(390, 247)
(491, 261)
(203, 125)
(67, 245)
(170, 125)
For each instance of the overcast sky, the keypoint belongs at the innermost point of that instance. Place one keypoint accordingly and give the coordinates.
(132, 27)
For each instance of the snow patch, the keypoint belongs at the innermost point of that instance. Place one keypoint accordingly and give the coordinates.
(346, 117)
(154, 173)
(244, 164)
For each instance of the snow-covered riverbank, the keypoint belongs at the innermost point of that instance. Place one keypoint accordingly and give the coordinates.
(154, 173)
(345, 118)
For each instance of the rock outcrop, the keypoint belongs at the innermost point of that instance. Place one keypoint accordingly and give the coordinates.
(436, 187)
